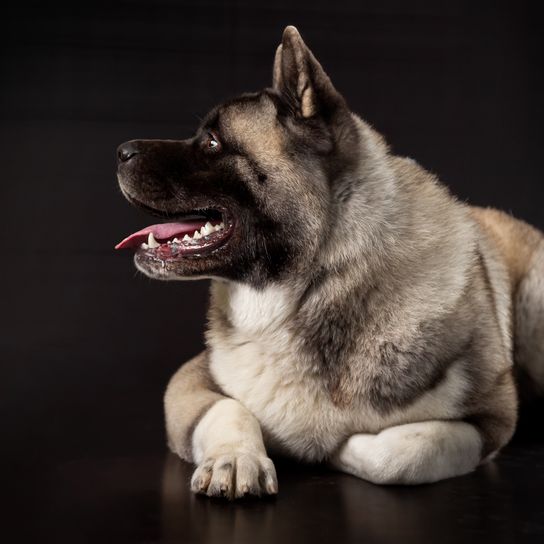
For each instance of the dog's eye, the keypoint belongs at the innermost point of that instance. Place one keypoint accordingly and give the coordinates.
(211, 142)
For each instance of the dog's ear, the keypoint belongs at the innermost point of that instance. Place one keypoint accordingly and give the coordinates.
(299, 77)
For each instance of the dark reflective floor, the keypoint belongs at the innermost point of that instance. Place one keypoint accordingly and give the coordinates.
(144, 497)
(87, 345)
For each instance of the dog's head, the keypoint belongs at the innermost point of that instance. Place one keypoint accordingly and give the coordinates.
(249, 196)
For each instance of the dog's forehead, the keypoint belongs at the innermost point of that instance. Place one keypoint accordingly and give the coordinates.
(246, 113)
(251, 121)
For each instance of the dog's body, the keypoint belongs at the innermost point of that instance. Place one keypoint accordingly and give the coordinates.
(374, 321)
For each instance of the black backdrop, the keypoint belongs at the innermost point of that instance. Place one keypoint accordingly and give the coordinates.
(88, 344)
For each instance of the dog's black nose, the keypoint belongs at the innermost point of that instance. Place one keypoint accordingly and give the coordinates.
(126, 151)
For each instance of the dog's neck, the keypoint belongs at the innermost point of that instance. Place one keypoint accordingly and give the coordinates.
(365, 249)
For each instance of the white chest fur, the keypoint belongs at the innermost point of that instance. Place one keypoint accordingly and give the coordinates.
(255, 361)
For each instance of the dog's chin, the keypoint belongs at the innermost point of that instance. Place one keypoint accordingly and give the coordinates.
(159, 270)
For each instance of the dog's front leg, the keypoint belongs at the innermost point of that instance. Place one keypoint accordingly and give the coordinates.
(217, 433)
(414, 453)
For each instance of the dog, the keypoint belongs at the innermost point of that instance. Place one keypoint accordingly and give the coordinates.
(359, 314)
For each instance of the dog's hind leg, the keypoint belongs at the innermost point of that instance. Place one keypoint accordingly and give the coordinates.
(414, 453)
(217, 433)
(522, 249)
(428, 451)
(529, 323)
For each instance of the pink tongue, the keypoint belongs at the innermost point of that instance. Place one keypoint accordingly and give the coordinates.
(162, 231)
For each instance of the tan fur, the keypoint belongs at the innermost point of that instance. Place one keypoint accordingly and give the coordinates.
(190, 393)
(248, 126)
(521, 249)
(308, 103)
(516, 240)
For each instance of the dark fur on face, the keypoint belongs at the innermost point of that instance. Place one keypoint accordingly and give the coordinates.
(273, 150)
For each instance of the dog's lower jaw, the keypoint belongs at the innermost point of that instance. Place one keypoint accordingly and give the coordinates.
(415, 453)
(161, 270)
(229, 451)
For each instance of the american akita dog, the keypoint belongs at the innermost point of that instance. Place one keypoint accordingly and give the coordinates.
(359, 314)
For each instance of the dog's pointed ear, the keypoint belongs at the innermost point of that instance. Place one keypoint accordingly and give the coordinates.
(299, 77)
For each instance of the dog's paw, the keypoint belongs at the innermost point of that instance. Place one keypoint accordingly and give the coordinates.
(235, 475)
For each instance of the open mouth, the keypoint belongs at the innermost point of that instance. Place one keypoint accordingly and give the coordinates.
(197, 233)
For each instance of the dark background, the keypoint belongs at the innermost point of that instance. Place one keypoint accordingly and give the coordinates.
(87, 344)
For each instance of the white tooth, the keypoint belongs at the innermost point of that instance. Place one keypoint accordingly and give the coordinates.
(151, 242)
(186, 238)
(176, 241)
(197, 235)
(207, 229)
(144, 246)
(169, 242)
(221, 226)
